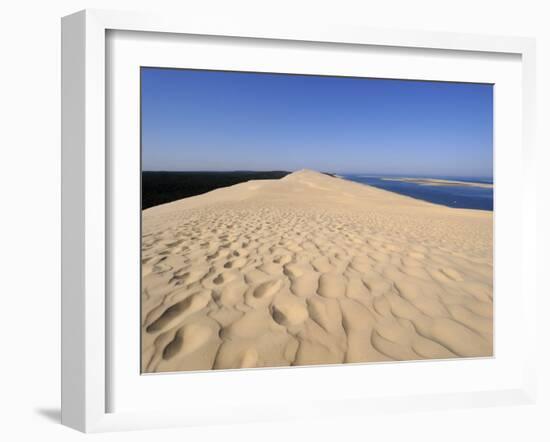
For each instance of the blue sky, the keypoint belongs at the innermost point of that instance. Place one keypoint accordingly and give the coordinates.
(212, 120)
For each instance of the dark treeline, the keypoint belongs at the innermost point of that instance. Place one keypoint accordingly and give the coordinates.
(164, 187)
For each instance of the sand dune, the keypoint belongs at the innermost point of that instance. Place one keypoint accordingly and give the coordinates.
(311, 269)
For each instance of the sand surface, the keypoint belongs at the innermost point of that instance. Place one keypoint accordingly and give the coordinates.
(311, 269)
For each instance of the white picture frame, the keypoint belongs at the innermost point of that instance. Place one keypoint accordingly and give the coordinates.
(86, 207)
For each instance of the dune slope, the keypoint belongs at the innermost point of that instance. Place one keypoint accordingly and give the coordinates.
(311, 269)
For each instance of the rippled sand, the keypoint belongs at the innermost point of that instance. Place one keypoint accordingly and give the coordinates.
(311, 269)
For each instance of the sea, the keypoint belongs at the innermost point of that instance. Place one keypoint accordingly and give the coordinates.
(466, 197)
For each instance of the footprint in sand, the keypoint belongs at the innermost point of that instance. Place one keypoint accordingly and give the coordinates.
(322, 265)
(174, 346)
(235, 264)
(285, 259)
(446, 275)
(267, 289)
(186, 340)
(332, 285)
(161, 267)
(177, 312)
(218, 279)
(452, 274)
(231, 294)
(224, 277)
(305, 285)
(189, 277)
(289, 313)
(293, 271)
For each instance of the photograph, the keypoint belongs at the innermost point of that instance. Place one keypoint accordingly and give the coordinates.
(306, 220)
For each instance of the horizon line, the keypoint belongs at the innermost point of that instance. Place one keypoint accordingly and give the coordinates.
(374, 174)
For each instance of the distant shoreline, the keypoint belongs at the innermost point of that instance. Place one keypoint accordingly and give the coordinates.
(452, 192)
(440, 182)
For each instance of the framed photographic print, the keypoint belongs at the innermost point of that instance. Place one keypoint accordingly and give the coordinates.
(277, 223)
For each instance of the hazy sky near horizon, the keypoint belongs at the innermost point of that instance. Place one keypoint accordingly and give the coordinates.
(212, 120)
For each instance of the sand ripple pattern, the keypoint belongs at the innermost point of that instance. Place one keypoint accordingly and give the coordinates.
(312, 270)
